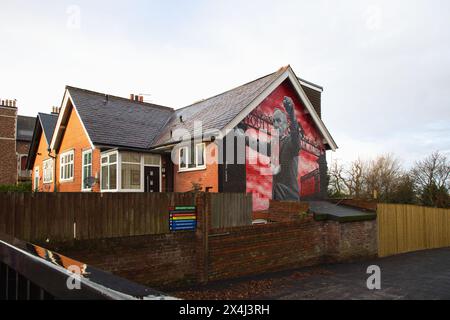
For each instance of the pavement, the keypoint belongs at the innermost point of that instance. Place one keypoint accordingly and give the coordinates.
(423, 275)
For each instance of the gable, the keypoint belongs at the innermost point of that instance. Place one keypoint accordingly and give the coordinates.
(287, 75)
(39, 152)
(74, 135)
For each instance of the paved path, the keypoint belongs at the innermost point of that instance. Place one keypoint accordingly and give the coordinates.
(419, 275)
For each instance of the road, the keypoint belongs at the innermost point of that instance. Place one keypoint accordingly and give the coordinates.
(418, 275)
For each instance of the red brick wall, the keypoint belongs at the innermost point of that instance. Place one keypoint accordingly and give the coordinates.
(158, 260)
(8, 158)
(76, 139)
(252, 250)
(177, 259)
(208, 177)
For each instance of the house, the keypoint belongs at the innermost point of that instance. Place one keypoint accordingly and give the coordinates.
(40, 153)
(15, 137)
(104, 143)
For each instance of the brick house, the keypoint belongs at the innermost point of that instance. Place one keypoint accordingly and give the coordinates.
(111, 144)
(40, 155)
(15, 137)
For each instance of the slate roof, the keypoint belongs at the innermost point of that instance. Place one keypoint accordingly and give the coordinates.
(25, 128)
(48, 123)
(216, 112)
(116, 121)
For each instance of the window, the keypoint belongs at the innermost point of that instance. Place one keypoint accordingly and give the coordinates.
(131, 171)
(87, 170)
(192, 158)
(109, 172)
(48, 171)
(36, 179)
(66, 166)
(183, 158)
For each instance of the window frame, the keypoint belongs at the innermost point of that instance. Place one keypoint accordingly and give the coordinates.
(71, 162)
(36, 173)
(108, 164)
(188, 150)
(83, 165)
(141, 172)
(44, 169)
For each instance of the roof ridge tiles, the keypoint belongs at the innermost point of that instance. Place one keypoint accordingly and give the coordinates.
(120, 98)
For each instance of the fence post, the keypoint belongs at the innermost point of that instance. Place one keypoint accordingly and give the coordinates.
(201, 237)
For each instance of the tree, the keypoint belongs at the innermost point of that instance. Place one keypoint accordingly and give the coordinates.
(337, 188)
(404, 190)
(432, 180)
(381, 177)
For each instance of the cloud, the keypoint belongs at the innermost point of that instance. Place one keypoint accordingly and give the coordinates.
(384, 64)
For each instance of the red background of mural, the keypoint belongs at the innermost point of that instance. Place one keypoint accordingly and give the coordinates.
(261, 185)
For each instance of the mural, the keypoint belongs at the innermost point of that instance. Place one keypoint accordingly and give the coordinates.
(299, 156)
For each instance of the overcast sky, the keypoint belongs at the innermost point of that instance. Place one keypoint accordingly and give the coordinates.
(385, 65)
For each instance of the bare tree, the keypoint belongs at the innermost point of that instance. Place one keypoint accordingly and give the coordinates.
(354, 178)
(432, 179)
(336, 183)
(381, 177)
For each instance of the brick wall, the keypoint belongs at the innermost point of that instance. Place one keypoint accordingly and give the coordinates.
(252, 250)
(208, 177)
(76, 139)
(157, 260)
(172, 260)
(368, 205)
(8, 158)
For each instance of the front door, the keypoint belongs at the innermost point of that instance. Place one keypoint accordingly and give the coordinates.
(151, 179)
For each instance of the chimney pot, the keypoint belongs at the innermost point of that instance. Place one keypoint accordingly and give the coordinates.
(141, 98)
(131, 97)
(14, 103)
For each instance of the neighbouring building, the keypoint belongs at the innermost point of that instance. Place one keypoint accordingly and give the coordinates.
(15, 137)
(104, 143)
(40, 153)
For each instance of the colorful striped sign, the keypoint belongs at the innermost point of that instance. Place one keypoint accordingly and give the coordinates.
(182, 218)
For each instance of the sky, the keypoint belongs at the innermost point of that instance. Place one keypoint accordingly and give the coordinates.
(384, 65)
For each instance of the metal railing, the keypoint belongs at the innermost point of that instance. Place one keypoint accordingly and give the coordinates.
(30, 272)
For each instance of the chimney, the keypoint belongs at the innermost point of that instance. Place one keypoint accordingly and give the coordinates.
(9, 103)
(136, 98)
(55, 110)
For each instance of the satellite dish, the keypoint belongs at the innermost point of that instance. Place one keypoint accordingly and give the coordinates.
(89, 181)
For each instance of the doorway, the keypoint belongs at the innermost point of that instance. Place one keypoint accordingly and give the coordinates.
(152, 179)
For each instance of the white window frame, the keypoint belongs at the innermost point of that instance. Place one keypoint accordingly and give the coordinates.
(83, 165)
(45, 169)
(141, 182)
(72, 162)
(107, 154)
(188, 157)
(36, 175)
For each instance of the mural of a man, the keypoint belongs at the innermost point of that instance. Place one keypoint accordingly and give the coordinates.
(284, 168)
(285, 175)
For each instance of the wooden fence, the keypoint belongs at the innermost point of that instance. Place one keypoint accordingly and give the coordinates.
(63, 216)
(55, 217)
(406, 228)
(231, 210)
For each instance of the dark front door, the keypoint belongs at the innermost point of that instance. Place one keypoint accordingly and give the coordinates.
(151, 178)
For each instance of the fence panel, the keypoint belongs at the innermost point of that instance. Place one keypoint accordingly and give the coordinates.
(230, 210)
(65, 216)
(407, 228)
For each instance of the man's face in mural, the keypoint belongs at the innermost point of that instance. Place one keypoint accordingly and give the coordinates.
(280, 122)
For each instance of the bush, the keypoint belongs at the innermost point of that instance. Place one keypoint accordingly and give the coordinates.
(21, 187)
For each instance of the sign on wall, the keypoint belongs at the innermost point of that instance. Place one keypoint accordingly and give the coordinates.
(182, 218)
